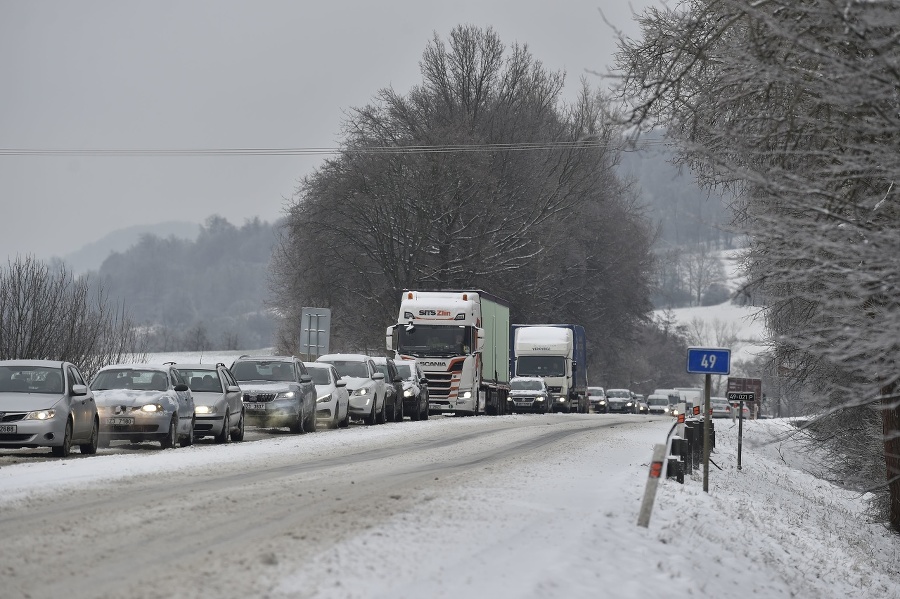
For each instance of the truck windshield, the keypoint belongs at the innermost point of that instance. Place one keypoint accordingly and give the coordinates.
(435, 340)
(540, 366)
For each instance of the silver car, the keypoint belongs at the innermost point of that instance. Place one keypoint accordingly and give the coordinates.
(141, 402)
(365, 384)
(332, 398)
(278, 391)
(46, 404)
(415, 389)
(218, 403)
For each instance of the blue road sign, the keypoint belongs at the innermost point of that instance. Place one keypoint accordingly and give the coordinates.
(709, 360)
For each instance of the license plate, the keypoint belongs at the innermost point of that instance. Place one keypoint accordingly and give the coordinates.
(256, 406)
(436, 406)
(119, 421)
(523, 404)
(7, 428)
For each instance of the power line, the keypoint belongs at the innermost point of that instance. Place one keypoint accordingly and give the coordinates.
(418, 149)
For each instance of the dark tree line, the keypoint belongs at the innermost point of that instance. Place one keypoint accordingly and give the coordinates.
(48, 314)
(795, 107)
(195, 295)
(478, 177)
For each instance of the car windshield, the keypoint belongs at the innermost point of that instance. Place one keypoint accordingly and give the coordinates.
(526, 385)
(352, 369)
(595, 391)
(202, 380)
(541, 366)
(31, 379)
(319, 375)
(405, 371)
(658, 401)
(131, 378)
(618, 393)
(383, 369)
(263, 371)
(434, 340)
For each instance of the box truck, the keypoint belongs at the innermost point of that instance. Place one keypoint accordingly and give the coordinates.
(558, 354)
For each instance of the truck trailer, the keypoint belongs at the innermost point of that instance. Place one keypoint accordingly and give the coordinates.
(461, 340)
(558, 354)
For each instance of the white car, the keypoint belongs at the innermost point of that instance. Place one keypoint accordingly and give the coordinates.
(365, 384)
(218, 403)
(332, 398)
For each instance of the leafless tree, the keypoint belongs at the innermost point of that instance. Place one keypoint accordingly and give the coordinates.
(46, 313)
(793, 105)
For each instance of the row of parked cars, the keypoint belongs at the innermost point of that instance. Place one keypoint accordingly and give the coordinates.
(50, 404)
(622, 401)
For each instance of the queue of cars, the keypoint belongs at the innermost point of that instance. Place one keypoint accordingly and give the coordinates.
(50, 404)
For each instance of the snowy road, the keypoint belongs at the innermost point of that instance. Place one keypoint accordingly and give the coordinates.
(355, 512)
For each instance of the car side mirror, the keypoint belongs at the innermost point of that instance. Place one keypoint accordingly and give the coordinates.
(233, 389)
(181, 387)
(305, 378)
(378, 376)
(423, 381)
(340, 383)
(398, 379)
(79, 389)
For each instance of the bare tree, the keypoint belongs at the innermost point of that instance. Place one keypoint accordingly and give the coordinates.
(45, 313)
(794, 106)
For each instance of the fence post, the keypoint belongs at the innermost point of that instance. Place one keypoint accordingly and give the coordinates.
(656, 466)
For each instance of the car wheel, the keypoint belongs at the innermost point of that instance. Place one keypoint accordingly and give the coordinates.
(238, 434)
(425, 411)
(346, 421)
(171, 437)
(297, 426)
(223, 437)
(62, 451)
(90, 448)
(188, 439)
(311, 423)
(398, 410)
(381, 417)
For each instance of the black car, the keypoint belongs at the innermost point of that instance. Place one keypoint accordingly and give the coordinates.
(277, 391)
(415, 389)
(393, 386)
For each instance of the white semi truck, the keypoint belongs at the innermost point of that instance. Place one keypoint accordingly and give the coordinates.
(558, 354)
(461, 340)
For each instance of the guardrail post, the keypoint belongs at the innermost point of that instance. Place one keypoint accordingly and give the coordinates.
(656, 465)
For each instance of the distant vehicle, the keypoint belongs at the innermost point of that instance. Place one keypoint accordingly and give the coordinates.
(365, 384)
(415, 389)
(620, 400)
(47, 404)
(143, 402)
(277, 392)
(393, 386)
(597, 399)
(218, 402)
(529, 394)
(659, 404)
(641, 406)
(332, 398)
(558, 353)
(720, 407)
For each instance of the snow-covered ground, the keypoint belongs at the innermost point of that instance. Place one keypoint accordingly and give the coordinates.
(567, 525)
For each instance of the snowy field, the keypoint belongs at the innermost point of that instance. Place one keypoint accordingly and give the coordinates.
(567, 526)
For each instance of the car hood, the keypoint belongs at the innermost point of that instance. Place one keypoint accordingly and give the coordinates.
(526, 393)
(323, 389)
(354, 383)
(266, 386)
(207, 398)
(26, 402)
(128, 397)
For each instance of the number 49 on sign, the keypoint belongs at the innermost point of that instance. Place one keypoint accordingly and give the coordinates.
(709, 360)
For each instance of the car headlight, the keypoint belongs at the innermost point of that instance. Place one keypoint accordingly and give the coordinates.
(205, 409)
(40, 415)
(408, 393)
(629, 404)
(466, 395)
(540, 398)
(324, 398)
(361, 391)
(152, 408)
(602, 402)
(285, 395)
(560, 399)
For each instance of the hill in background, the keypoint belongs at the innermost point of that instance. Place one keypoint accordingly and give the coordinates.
(92, 255)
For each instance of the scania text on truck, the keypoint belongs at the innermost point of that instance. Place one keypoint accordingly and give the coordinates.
(461, 340)
(558, 354)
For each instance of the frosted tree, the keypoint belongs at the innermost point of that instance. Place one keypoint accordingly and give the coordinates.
(793, 106)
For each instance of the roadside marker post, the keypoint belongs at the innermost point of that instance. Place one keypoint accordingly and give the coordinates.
(708, 361)
(656, 468)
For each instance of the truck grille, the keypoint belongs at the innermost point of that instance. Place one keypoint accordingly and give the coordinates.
(438, 384)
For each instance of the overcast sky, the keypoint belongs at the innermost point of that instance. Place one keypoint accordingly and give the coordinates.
(186, 74)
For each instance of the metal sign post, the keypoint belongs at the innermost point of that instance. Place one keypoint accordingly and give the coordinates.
(707, 361)
(740, 397)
